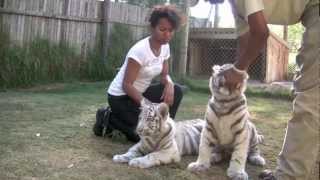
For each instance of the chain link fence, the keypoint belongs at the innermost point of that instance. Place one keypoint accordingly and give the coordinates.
(217, 48)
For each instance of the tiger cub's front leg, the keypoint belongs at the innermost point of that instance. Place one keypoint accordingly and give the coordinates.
(132, 153)
(236, 170)
(205, 152)
(156, 158)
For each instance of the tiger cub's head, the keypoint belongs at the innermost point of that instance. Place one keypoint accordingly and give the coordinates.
(151, 119)
(217, 82)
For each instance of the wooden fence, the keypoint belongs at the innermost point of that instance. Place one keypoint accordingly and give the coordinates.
(79, 23)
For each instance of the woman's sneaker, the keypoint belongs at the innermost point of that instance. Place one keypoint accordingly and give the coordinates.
(102, 125)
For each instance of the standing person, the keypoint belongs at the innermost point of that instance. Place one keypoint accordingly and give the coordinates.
(301, 144)
(132, 86)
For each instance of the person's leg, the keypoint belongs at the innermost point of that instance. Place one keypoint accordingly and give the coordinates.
(154, 93)
(128, 131)
(124, 116)
(301, 144)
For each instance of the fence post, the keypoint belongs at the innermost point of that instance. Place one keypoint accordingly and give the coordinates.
(182, 64)
(105, 29)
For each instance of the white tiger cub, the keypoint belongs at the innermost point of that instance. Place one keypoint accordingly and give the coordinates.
(228, 130)
(162, 141)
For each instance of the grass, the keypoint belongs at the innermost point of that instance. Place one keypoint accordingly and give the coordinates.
(62, 116)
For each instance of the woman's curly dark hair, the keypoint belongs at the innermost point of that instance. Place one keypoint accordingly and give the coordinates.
(169, 12)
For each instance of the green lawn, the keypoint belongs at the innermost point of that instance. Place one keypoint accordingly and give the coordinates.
(46, 134)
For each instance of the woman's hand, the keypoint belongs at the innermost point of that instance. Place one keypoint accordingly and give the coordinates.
(168, 93)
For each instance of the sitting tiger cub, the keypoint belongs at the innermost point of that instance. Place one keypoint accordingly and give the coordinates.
(228, 130)
(162, 141)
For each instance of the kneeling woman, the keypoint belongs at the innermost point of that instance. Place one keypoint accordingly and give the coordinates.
(132, 86)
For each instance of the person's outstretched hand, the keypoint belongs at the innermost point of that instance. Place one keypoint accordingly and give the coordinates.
(233, 79)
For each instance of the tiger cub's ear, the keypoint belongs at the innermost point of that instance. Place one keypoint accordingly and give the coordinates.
(163, 110)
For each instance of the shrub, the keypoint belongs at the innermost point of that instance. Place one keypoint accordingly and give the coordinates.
(120, 42)
(42, 61)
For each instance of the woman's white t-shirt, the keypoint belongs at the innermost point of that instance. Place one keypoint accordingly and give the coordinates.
(151, 66)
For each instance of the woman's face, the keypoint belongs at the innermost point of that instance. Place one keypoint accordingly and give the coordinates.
(163, 31)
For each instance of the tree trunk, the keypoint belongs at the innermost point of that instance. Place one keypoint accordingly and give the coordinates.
(285, 33)
(182, 64)
(216, 16)
(208, 18)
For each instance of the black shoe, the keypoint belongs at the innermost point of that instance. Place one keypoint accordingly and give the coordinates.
(98, 126)
(106, 122)
(102, 125)
(267, 175)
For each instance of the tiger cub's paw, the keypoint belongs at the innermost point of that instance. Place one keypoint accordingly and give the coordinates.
(197, 167)
(120, 158)
(240, 175)
(140, 163)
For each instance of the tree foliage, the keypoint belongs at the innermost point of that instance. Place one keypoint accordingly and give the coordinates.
(121, 40)
(294, 36)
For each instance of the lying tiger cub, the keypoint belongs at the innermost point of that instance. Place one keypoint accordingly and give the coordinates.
(228, 129)
(163, 141)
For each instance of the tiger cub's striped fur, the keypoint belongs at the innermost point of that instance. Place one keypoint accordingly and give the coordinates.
(162, 141)
(228, 129)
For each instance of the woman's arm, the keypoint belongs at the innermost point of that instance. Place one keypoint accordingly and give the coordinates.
(168, 92)
(165, 78)
(130, 76)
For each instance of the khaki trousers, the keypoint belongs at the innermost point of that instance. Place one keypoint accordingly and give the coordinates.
(300, 151)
